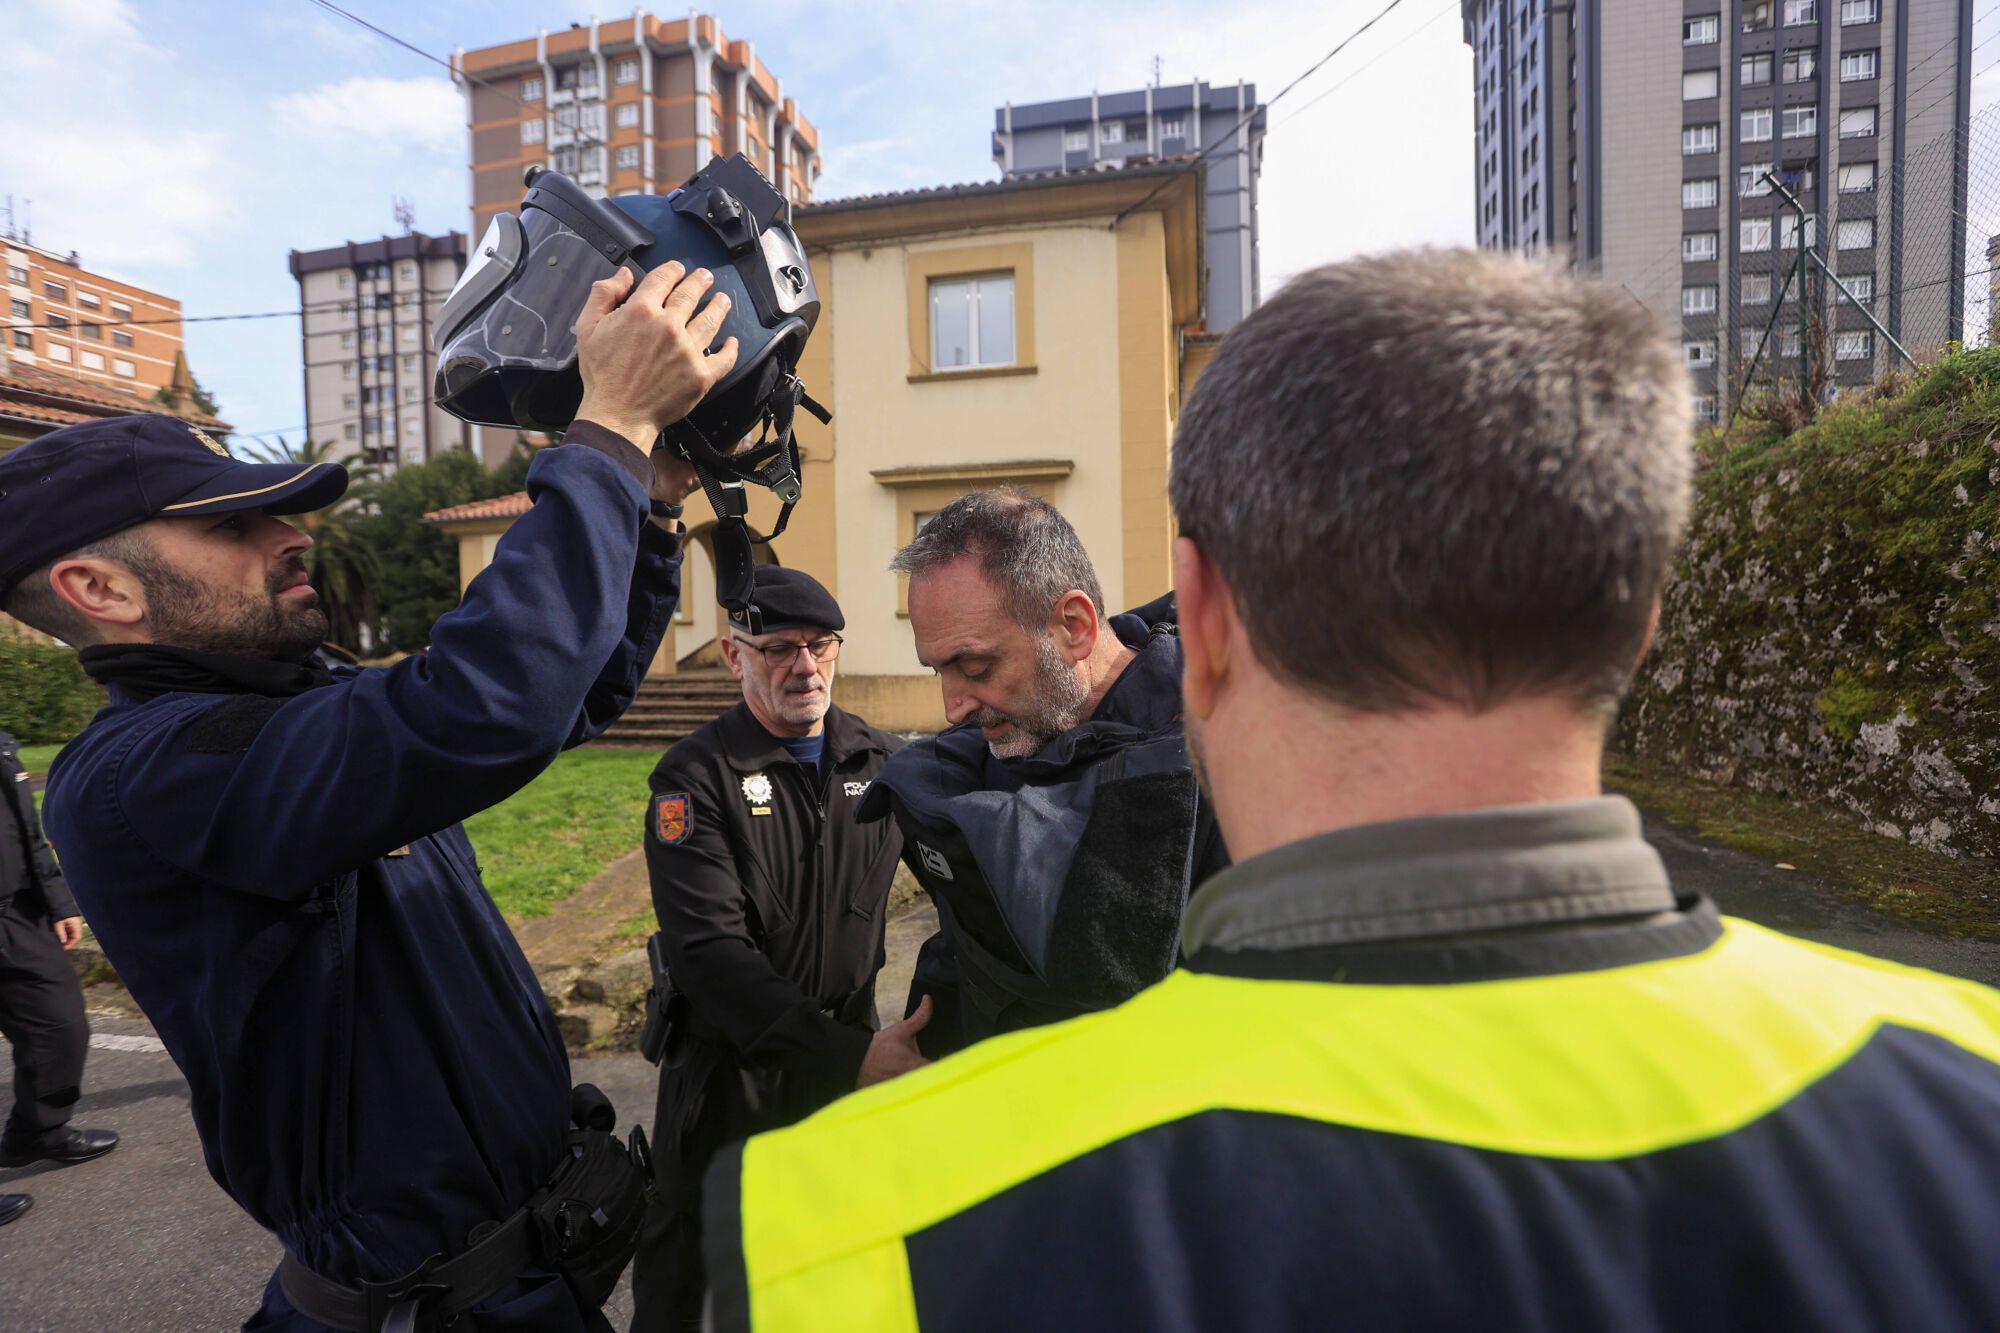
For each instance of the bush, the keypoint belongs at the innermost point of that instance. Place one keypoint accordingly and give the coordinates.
(44, 696)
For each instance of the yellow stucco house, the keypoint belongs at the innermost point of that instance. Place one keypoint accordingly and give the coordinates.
(1037, 332)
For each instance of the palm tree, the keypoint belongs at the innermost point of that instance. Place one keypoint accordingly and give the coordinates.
(340, 563)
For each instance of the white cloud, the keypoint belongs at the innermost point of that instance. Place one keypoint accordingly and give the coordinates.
(424, 113)
(126, 196)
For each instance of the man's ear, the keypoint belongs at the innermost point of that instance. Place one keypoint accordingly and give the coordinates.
(1201, 602)
(1076, 624)
(103, 592)
(732, 653)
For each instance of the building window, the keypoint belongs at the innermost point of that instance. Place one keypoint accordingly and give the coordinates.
(347, 401)
(1854, 234)
(88, 300)
(21, 309)
(1756, 125)
(409, 365)
(532, 130)
(1801, 11)
(1756, 16)
(1697, 139)
(628, 158)
(24, 340)
(1860, 11)
(346, 280)
(17, 275)
(348, 431)
(1798, 121)
(119, 310)
(55, 291)
(1753, 235)
(586, 76)
(1698, 300)
(1697, 84)
(1704, 409)
(1111, 131)
(406, 272)
(1756, 70)
(1703, 31)
(58, 352)
(531, 91)
(625, 71)
(94, 332)
(626, 116)
(347, 341)
(1750, 182)
(1798, 66)
(1173, 127)
(1755, 289)
(347, 370)
(1076, 141)
(120, 338)
(124, 367)
(1857, 177)
(1699, 351)
(972, 322)
(1854, 345)
(1698, 193)
(56, 321)
(1788, 231)
(1697, 246)
(1858, 123)
(1857, 65)
(1861, 284)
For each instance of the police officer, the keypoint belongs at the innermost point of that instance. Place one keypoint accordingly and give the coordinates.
(41, 1004)
(1449, 1051)
(771, 900)
(271, 853)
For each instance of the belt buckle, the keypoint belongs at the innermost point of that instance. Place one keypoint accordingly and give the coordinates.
(395, 1306)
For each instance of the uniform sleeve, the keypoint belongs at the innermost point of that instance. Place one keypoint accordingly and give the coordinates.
(936, 976)
(712, 955)
(47, 875)
(656, 585)
(272, 796)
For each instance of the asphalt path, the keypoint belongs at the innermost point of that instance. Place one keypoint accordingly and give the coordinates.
(143, 1239)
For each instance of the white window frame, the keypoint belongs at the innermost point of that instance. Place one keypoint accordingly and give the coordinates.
(1874, 122)
(119, 310)
(1111, 132)
(1701, 30)
(1699, 353)
(1700, 246)
(531, 89)
(1694, 80)
(122, 366)
(1714, 192)
(626, 116)
(1866, 183)
(1751, 61)
(1798, 121)
(1857, 229)
(1752, 7)
(347, 341)
(1698, 299)
(1754, 289)
(1801, 11)
(1753, 235)
(1861, 284)
(1860, 11)
(1854, 345)
(1804, 63)
(89, 300)
(1750, 182)
(1704, 408)
(628, 157)
(1788, 230)
(626, 70)
(1854, 63)
(92, 360)
(973, 296)
(1173, 127)
(1697, 140)
(533, 130)
(1076, 141)
(1754, 124)
(57, 352)
(410, 364)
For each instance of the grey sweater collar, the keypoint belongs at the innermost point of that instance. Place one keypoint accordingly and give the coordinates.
(1493, 869)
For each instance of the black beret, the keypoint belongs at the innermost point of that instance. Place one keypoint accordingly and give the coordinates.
(792, 599)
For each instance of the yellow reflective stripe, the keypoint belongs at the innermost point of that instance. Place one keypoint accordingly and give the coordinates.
(244, 495)
(1583, 1065)
(873, 1294)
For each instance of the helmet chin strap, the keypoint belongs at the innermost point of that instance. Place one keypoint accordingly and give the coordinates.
(773, 463)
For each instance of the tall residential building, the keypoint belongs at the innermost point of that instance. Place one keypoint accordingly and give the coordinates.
(1125, 129)
(633, 106)
(63, 317)
(1633, 137)
(366, 342)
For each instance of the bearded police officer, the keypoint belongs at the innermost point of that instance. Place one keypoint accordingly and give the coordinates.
(270, 852)
(770, 900)
(1449, 1051)
(41, 1005)
(1056, 824)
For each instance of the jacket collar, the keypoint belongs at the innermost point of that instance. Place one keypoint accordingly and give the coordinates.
(1497, 869)
(746, 744)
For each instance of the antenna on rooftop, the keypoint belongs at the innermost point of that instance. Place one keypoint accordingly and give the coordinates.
(406, 213)
(1156, 70)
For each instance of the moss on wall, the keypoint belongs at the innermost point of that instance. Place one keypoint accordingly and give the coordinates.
(1831, 631)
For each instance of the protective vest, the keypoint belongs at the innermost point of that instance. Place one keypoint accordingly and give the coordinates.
(1764, 1133)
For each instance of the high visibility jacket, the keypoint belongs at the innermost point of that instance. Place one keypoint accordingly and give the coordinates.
(1761, 1133)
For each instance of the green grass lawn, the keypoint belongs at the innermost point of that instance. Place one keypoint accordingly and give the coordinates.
(35, 758)
(551, 837)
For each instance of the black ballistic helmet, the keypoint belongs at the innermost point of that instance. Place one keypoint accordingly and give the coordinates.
(506, 336)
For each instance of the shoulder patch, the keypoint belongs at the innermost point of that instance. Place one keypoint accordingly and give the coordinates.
(673, 817)
(230, 726)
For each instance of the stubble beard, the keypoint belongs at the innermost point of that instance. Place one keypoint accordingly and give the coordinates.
(185, 613)
(1057, 706)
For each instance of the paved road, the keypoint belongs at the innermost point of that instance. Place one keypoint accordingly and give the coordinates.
(143, 1240)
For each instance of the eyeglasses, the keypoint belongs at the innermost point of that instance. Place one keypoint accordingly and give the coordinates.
(782, 655)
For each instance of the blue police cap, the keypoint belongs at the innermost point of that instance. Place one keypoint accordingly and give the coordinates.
(76, 485)
(791, 599)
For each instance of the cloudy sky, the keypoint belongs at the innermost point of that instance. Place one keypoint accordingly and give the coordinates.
(189, 145)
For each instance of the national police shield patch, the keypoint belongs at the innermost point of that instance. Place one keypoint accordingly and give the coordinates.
(672, 817)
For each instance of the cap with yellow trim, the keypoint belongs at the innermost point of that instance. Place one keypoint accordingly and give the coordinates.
(82, 483)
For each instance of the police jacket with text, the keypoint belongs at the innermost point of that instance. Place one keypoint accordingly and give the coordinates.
(29, 876)
(285, 887)
(1484, 1070)
(771, 901)
(1060, 878)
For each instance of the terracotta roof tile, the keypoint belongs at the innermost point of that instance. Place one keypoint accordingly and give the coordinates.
(34, 393)
(504, 506)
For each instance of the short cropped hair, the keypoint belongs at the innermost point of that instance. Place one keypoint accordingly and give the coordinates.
(33, 601)
(1024, 548)
(1441, 477)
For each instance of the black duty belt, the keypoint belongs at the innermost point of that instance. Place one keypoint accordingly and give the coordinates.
(451, 1287)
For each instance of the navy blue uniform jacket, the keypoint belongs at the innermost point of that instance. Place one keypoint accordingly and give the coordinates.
(372, 1067)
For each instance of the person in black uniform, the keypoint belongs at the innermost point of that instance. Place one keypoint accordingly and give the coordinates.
(771, 900)
(271, 852)
(41, 1004)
